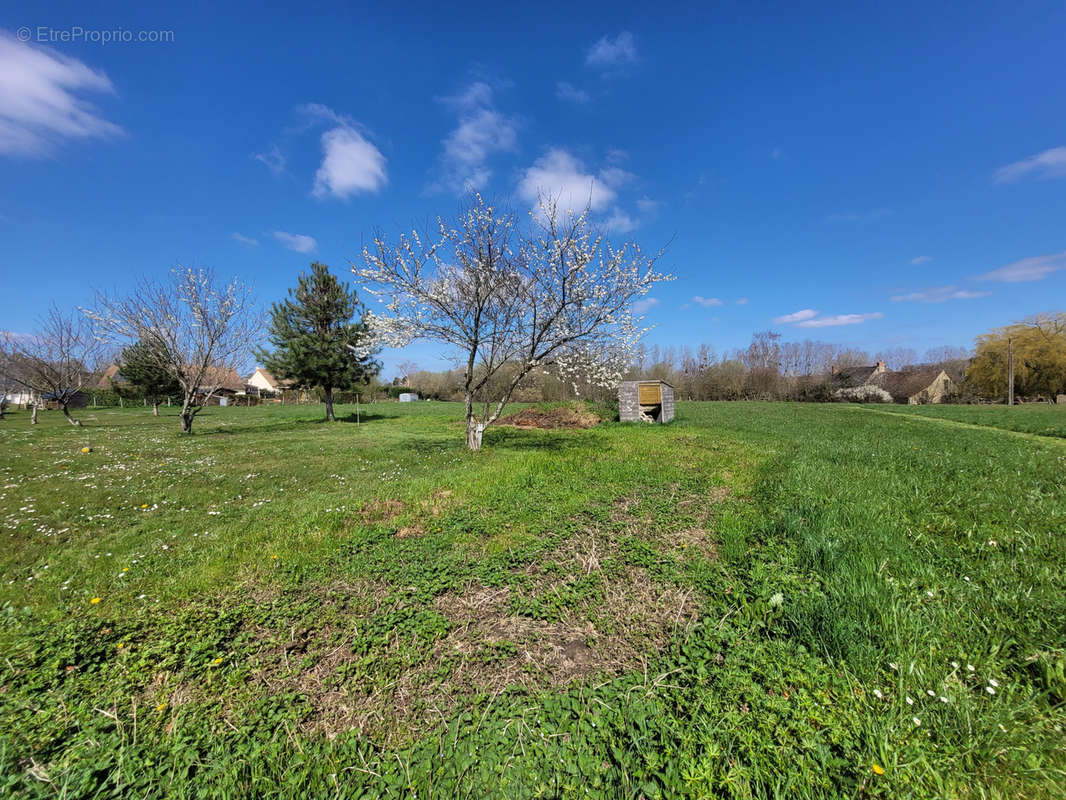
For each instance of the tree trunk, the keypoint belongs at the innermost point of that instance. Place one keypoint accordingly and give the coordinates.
(155, 409)
(33, 414)
(474, 431)
(66, 413)
(329, 404)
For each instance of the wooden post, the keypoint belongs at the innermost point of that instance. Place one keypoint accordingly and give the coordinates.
(1010, 371)
(357, 409)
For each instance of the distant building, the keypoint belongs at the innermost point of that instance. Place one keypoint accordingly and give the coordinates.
(408, 397)
(915, 387)
(263, 380)
(848, 377)
(111, 378)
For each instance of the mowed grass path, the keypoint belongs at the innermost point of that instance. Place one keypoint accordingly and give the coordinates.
(1041, 419)
(759, 600)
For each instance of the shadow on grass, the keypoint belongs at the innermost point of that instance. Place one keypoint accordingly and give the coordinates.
(540, 440)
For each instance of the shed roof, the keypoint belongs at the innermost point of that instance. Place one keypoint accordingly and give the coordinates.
(904, 385)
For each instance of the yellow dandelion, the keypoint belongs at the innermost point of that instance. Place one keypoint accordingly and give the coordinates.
(217, 661)
(95, 600)
(120, 645)
(274, 556)
(878, 769)
(161, 706)
(144, 505)
(125, 569)
(86, 449)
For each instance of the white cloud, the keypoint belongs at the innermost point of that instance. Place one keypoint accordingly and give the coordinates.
(39, 103)
(839, 319)
(939, 294)
(350, 165)
(564, 177)
(921, 260)
(273, 158)
(798, 316)
(647, 205)
(482, 132)
(706, 302)
(296, 241)
(1048, 164)
(742, 301)
(645, 305)
(1027, 269)
(242, 239)
(570, 93)
(610, 53)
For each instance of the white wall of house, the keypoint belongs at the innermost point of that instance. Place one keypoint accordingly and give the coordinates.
(260, 381)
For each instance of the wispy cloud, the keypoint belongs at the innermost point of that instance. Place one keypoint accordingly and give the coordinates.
(1048, 164)
(621, 222)
(1027, 269)
(646, 304)
(742, 301)
(798, 316)
(40, 100)
(921, 260)
(612, 54)
(706, 302)
(938, 294)
(839, 319)
(273, 158)
(296, 241)
(482, 132)
(242, 239)
(777, 154)
(565, 90)
(858, 216)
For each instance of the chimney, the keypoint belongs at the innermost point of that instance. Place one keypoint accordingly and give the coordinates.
(880, 366)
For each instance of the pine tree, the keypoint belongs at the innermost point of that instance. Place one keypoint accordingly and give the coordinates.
(315, 334)
(146, 374)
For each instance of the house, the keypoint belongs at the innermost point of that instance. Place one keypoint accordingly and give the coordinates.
(110, 378)
(848, 377)
(224, 383)
(265, 382)
(915, 387)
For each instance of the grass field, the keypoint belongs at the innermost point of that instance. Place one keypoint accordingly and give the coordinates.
(758, 600)
(1039, 418)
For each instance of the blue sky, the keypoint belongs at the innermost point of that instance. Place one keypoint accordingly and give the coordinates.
(888, 175)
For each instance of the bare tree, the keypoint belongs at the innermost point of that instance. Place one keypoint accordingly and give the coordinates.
(557, 294)
(199, 330)
(54, 363)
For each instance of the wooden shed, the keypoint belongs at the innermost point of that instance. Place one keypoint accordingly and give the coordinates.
(645, 401)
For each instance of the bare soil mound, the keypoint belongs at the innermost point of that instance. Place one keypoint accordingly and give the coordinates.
(552, 417)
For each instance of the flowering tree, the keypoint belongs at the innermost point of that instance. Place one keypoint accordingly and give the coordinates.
(53, 363)
(554, 294)
(198, 331)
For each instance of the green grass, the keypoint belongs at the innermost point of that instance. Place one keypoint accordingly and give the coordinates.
(1041, 419)
(754, 601)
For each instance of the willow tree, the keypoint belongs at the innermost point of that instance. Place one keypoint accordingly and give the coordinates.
(319, 337)
(1039, 348)
(508, 299)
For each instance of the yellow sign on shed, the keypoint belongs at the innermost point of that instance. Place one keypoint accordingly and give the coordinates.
(649, 393)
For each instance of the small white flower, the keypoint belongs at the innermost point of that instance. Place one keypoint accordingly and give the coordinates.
(993, 682)
(955, 664)
(969, 667)
(877, 694)
(916, 721)
(943, 699)
(930, 692)
(929, 593)
(990, 690)
(910, 700)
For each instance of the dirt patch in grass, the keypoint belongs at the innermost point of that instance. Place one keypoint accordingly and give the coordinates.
(552, 417)
(382, 510)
